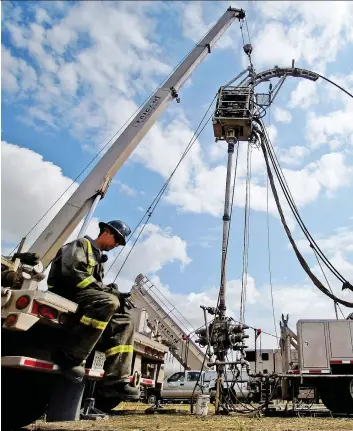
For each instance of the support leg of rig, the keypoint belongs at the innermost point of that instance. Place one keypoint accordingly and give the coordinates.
(89, 410)
(218, 391)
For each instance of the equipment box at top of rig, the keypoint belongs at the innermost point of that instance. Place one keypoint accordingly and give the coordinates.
(323, 343)
(233, 111)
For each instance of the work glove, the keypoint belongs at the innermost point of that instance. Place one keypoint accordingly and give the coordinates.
(122, 296)
(113, 289)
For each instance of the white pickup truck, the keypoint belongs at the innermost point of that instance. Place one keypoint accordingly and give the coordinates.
(180, 386)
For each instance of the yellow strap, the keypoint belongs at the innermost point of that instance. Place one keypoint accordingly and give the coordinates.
(86, 282)
(119, 349)
(98, 324)
(91, 260)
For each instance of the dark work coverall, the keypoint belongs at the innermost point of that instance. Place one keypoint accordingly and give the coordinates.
(77, 274)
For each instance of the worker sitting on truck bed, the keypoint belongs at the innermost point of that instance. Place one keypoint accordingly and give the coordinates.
(77, 274)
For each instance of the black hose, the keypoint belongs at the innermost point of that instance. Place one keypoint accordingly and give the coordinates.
(294, 208)
(300, 258)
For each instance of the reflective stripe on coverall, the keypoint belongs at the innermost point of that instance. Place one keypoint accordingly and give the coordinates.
(77, 274)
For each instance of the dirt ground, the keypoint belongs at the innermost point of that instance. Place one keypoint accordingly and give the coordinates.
(137, 420)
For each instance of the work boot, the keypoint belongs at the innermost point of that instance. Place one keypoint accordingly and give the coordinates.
(108, 397)
(69, 369)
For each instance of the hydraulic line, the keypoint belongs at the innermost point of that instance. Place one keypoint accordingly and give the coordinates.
(302, 261)
(294, 209)
(296, 214)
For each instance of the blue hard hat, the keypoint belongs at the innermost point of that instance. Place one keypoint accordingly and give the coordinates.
(118, 227)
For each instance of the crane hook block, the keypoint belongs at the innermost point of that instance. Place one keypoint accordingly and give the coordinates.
(247, 49)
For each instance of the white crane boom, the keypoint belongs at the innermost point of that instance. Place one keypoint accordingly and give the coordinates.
(98, 180)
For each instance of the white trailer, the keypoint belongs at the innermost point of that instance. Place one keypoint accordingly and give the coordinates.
(325, 361)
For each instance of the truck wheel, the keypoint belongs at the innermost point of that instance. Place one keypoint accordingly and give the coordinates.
(152, 399)
(29, 391)
(338, 396)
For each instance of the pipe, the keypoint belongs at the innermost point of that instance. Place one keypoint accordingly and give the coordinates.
(226, 223)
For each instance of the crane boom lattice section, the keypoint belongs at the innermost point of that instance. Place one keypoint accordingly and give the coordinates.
(171, 325)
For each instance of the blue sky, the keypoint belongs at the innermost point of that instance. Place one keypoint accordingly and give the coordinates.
(73, 73)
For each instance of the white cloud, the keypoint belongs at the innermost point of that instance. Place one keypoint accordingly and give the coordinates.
(195, 186)
(341, 239)
(28, 192)
(337, 247)
(302, 31)
(87, 34)
(194, 26)
(32, 189)
(292, 155)
(305, 95)
(302, 301)
(16, 71)
(330, 172)
(217, 151)
(17, 35)
(157, 247)
(127, 190)
(109, 87)
(282, 116)
(272, 133)
(68, 77)
(167, 247)
(42, 16)
(334, 129)
(282, 51)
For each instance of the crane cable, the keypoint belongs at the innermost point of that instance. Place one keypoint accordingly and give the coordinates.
(302, 261)
(159, 195)
(244, 278)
